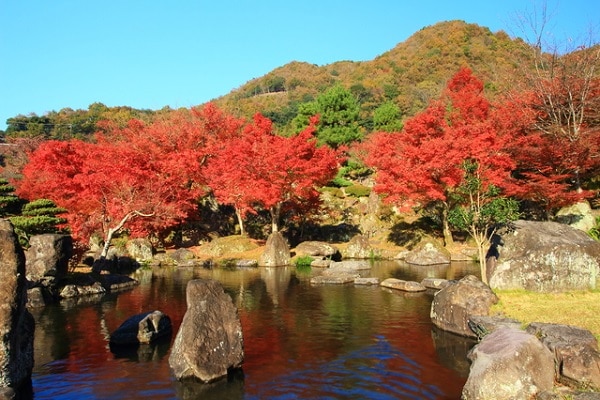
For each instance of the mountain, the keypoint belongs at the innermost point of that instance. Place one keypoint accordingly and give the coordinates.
(410, 74)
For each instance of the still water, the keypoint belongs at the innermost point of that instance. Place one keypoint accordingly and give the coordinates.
(301, 341)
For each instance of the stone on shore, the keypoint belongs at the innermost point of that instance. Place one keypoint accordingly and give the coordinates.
(276, 253)
(405, 286)
(509, 364)
(453, 306)
(576, 353)
(48, 255)
(544, 257)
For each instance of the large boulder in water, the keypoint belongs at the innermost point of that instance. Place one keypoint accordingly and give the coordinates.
(143, 328)
(453, 306)
(48, 255)
(16, 323)
(277, 252)
(509, 364)
(544, 257)
(209, 342)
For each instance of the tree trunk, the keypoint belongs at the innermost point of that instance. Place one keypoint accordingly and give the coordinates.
(109, 235)
(238, 214)
(275, 211)
(448, 240)
(483, 244)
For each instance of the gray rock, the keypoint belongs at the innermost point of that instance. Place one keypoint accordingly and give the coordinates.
(453, 306)
(183, 257)
(509, 364)
(35, 297)
(209, 342)
(366, 281)
(483, 325)
(544, 257)
(117, 282)
(276, 253)
(578, 215)
(320, 263)
(144, 328)
(405, 286)
(48, 255)
(575, 350)
(336, 276)
(140, 249)
(428, 254)
(246, 264)
(339, 279)
(72, 290)
(16, 323)
(316, 249)
(359, 247)
(435, 283)
(350, 265)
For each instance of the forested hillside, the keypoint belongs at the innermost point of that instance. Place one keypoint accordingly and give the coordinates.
(408, 75)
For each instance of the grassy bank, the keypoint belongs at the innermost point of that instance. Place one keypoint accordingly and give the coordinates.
(573, 308)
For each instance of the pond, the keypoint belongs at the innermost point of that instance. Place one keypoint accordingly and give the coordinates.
(301, 341)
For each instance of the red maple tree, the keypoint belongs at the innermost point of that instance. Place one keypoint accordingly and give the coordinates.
(424, 164)
(261, 170)
(146, 177)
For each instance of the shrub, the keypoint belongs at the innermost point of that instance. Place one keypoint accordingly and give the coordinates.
(303, 261)
(37, 217)
(358, 190)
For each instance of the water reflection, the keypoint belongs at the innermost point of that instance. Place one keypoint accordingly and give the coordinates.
(301, 341)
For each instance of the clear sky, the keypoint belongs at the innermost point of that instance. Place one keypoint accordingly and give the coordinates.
(148, 54)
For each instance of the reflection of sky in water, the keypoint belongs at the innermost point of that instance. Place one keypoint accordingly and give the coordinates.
(361, 374)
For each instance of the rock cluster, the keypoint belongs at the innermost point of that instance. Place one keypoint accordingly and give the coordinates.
(510, 362)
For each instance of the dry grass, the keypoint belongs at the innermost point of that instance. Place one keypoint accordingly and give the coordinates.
(573, 308)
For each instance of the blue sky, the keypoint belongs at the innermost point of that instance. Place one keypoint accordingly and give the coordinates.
(149, 54)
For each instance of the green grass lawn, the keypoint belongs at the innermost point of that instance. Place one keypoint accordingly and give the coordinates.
(581, 308)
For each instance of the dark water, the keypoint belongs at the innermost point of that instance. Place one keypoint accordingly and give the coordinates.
(300, 341)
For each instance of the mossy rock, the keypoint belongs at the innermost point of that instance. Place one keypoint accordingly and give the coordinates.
(228, 245)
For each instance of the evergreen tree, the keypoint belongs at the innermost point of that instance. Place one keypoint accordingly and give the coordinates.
(387, 118)
(338, 112)
(9, 202)
(37, 217)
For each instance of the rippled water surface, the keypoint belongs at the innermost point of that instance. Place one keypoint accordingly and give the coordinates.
(300, 341)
